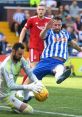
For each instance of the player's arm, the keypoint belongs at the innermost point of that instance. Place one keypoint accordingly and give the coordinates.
(25, 28)
(74, 44)
(9, 78)
(22, 34)
(48, 26)
(28, 70)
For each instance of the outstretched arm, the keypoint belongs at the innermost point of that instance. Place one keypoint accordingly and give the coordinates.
(47, 27)
(9, 78)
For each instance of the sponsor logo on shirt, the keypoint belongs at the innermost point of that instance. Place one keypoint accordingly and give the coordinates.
(40, 27)
(60, 40)
(36, 23)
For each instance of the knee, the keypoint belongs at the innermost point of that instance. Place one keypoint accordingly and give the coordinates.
(58, 68)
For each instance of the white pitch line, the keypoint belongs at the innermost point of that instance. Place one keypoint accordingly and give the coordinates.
(43, 112)
(56, 113)
(75, 109)
(5, 108)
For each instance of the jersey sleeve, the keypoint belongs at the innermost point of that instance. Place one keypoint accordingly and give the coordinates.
(28, 23)
(28, 70)
(70, 38)
(68, 35)
(10, 80)
(47, 34)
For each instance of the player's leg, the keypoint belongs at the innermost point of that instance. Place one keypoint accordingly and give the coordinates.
(34, 56)
(65, 75)
(28, 95)
(61, 73)
(17, 105)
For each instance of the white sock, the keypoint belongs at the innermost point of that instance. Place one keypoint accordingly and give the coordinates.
(59, 71)
(19, 93)
(28, 94)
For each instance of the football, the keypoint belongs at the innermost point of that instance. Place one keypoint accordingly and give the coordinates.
(43, 95)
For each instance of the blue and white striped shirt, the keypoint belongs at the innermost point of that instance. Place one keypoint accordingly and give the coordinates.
(19, 17)
(56, 44)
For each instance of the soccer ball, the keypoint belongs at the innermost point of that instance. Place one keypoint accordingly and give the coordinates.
(43, 95)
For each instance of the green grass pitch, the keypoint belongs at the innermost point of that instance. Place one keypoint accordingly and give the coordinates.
(65, 100)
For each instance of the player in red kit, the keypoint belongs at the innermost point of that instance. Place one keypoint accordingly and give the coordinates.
(35, 24)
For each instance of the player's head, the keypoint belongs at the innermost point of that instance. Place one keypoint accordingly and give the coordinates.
(41, 10)
(57, 24)
(17, 51)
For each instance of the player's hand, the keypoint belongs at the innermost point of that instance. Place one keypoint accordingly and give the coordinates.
(37, 86)
(49, 24)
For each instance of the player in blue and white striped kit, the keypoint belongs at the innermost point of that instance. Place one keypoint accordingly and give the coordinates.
(55, 52)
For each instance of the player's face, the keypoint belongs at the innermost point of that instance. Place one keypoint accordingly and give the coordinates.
(18, 54)
(41, 11)
(57, 25)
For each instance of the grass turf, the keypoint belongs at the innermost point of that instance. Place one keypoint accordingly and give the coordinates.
(64, 98)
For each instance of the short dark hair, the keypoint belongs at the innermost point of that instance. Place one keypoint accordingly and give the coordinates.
(16, 46)
(56, 17)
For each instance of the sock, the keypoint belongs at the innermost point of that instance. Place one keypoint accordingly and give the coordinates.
(19, 93)
(26, 92)
(28, 95)
(28, 109)
(59, 71)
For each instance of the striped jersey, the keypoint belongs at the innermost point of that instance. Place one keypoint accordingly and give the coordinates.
(19, 17)
(56, 44)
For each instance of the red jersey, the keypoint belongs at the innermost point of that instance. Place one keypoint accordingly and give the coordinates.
(36, 24)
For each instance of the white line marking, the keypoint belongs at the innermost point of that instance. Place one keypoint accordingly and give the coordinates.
(44, 112)
(56, 113)
(75, 109)
(5, 108)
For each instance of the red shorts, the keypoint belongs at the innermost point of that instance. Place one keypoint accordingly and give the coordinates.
(34, 55)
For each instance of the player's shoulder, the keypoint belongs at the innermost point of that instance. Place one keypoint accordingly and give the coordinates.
(64, 31)
(47, 18)
(33, 17)
(6, 61)
(24, 61)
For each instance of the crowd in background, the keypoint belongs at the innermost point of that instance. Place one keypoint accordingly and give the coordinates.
(71, 20)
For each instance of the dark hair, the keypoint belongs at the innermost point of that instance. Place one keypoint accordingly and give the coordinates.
(56, 17)
(16, 46)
